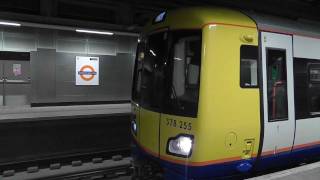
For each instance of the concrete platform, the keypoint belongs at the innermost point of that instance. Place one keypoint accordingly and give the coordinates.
(304, 172)
(27, 113)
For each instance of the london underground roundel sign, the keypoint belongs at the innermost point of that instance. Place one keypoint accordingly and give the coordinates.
(87, 70)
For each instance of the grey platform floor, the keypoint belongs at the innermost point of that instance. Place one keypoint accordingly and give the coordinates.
(52, 112)
(305, 172)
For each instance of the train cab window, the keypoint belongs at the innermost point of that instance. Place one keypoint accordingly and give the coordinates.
(185, 64)
(277, 85)
(137, 76)
(248, 66)
(153, 66)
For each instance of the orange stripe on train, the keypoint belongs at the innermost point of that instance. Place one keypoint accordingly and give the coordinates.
(224, 160)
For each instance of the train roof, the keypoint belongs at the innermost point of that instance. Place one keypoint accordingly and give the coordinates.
(285, 26)
(197, 17)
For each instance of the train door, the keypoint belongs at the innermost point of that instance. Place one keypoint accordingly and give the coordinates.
(278, 96)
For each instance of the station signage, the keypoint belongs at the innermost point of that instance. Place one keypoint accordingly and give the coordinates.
(87, 71)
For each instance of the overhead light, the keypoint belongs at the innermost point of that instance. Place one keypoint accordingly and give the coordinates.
(9, 23)
(94, 32)
(211, 26)
(152, 52)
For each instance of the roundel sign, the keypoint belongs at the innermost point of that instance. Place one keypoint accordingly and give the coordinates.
(87, 70)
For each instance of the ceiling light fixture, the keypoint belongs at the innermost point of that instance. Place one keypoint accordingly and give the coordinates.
(94, 32)
(9, 23)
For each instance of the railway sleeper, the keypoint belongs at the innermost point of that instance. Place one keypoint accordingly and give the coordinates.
(75, 170)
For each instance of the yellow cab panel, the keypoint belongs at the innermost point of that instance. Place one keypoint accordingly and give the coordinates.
(229, 115)
(149, 131)
(203, 117)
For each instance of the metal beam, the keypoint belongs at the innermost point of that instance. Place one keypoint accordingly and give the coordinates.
(48, 8)
(69, 28)
(90, 4)
(286, 8)
(65, 22)
(124, 14)
(128, 13)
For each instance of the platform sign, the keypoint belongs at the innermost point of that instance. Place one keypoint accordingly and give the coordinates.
(87, 71)
(16, 68)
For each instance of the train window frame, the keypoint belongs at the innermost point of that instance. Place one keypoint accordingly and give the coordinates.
(151, 66)
(312, 84)
(137, 72)
(286, 118)
(249, 53)
(176, 105)
(303, 86)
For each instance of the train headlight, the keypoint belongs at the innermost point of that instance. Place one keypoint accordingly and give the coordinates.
(134, 127)
(180, 145)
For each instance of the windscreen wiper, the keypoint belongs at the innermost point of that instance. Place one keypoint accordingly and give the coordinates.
(176, 98)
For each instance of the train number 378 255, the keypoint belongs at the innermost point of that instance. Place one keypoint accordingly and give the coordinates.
(179, 124)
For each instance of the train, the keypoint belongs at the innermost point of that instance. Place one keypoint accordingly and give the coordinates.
(219, 92)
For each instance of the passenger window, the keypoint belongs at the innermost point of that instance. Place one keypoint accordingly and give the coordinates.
(307, 87)
(277, 85)
(248, 66)
(314, 88)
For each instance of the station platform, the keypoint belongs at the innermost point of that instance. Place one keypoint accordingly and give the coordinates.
(304, 172)
(27, 113)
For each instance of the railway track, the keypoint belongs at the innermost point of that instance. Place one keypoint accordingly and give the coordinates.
(97, 169)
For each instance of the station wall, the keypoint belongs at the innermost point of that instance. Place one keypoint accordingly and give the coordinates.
(53, 58)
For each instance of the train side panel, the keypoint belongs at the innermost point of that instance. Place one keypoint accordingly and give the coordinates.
(307, 135)
(229, 114)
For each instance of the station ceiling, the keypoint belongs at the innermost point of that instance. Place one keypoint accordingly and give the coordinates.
(130, 15)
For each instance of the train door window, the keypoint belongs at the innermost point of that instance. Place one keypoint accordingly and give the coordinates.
(277, 84)
(248, 66)
(314, 88)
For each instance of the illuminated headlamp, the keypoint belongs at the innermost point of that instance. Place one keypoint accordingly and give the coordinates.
(134, 126)
(180, 145)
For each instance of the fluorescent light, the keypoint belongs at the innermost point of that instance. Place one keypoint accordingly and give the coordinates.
(212, 26)
(151, 51)
(94, 32)
(9, 23)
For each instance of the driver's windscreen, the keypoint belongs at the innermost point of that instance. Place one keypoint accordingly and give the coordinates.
(185, 62)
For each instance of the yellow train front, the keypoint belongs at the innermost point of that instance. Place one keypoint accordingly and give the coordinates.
(194, 116)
